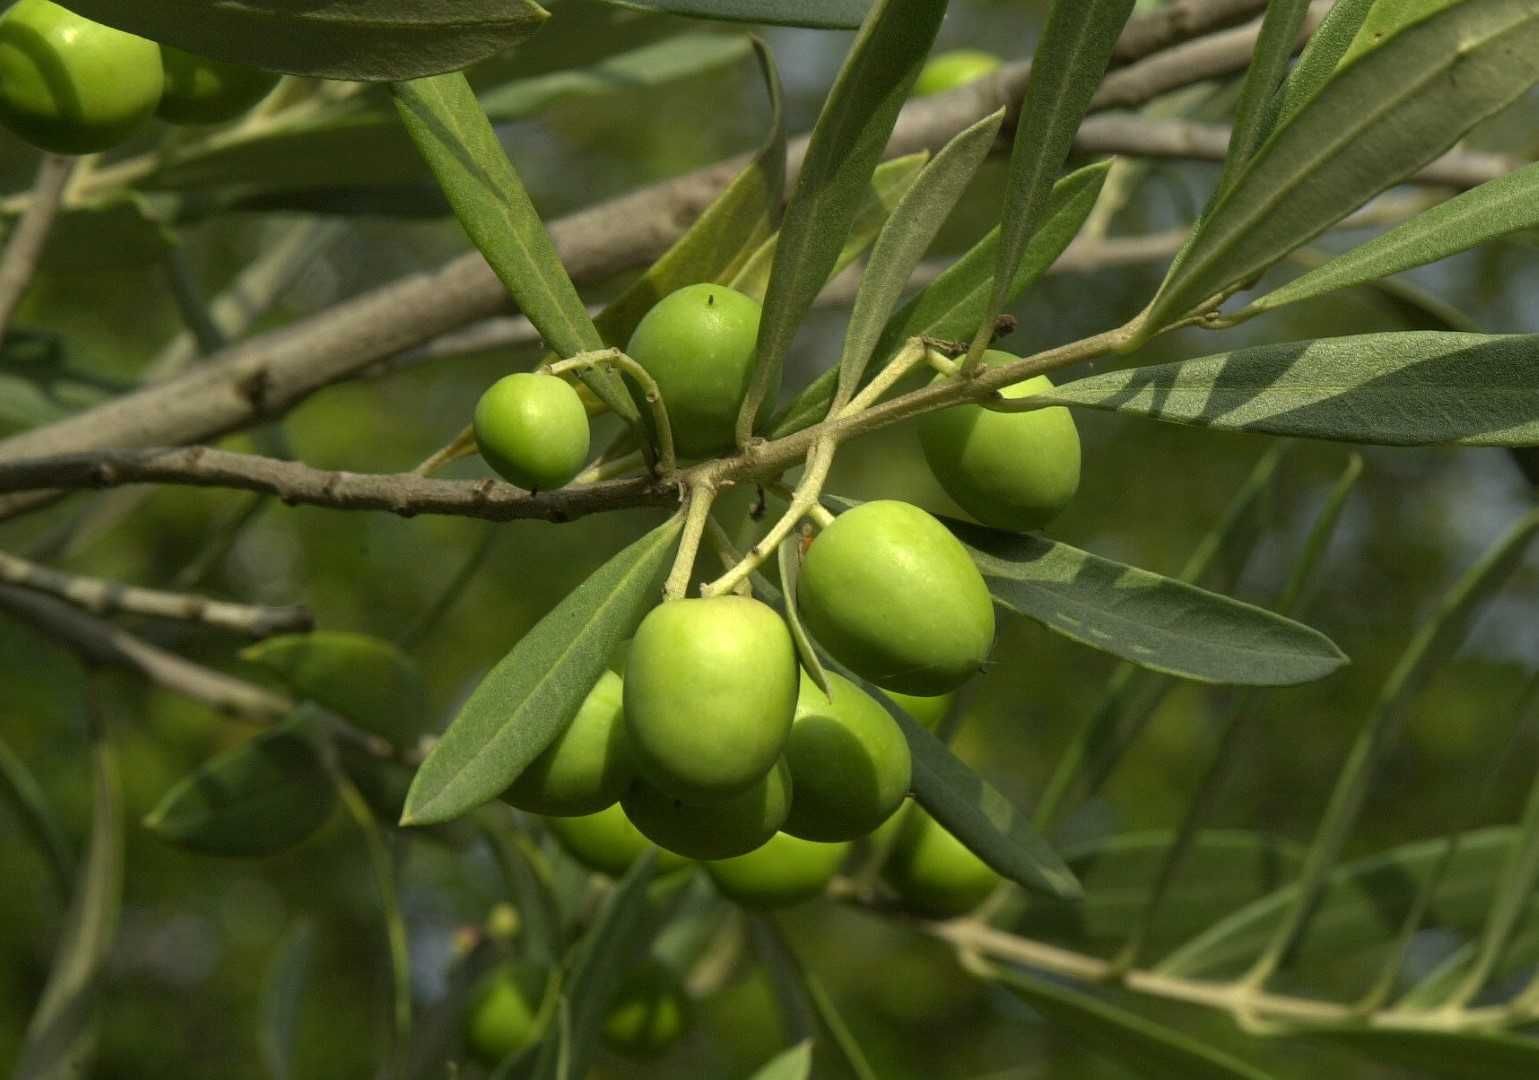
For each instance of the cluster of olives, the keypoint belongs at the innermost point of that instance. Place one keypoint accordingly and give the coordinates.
(73, 86)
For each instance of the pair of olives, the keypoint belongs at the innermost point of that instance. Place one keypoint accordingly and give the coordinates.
(73, 86)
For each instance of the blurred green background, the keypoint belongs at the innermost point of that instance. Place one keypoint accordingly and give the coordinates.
(198, 933)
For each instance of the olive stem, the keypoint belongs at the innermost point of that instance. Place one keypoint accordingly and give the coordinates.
(462, 446)
(803, 499)
(697, 513)
(600, 471)
(727, 551)
(667, 461)
(909, 357)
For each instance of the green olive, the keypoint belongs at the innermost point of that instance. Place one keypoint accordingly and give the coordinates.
(894, 596)
(849, 763)
(1009, 470)
(504, 1016)
(949, 70)
(71, 85)
(699, 345)
(927, 712)
(932, 871)
(607, 842)
(587, 766)
(648, 1014)
(204, 91)
(710, 690)
(718, 831)
(533, 430)
(782, 872)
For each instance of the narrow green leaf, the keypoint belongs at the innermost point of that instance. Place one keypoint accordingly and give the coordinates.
(1386, 18)
(446, 122)
(382, 866)
(954, 303)
(1255, 114)
(1369, 128)
(1452, 1054)
(61, 1036)
(790, 562)
(1405, 389)
(528, 698)
(1495, 208)
(792, 1064)
(819, 14)
(264, 796)
(1318, 62)
(283, 991)
(367, 40)
(1150, 1049)
(1156, 622)
(20, 791)
(847, 142)
(527, 877)
(1066, 70)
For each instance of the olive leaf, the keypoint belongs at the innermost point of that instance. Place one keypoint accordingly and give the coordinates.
(790, 562)
(533, 692)
(819, 14)
(366, 40)
(23, 796)
(283, 988)
(1321, 56)
(1256, 112)
(792, 1064)
(1454, 1054)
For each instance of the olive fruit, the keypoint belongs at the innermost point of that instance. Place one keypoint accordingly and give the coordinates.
(533, 430)
(699, 345)
(927, 712)
(648, 1014)
(784, 871)
(933, 872)
(894, 596)
(949, 70)
(849, 762)
(587, 766)
(710, 690)
(607, 842)
(71, 85)
(718, 831)
(199, 90)
(1010, 470)
(504, 1016)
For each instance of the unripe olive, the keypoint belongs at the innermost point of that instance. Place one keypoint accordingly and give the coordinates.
(71, 85)
(894, 596)
(607, 842)
(849, 763)
(718, 831)
(699, 345)
(649, 1013)
(949, 70)
(199, 90)
(933, 872)
(587, 766)
(533, 430)
(1010, 470)
(927, 712)
(710, 690)
(782, 872)
(504, 1016)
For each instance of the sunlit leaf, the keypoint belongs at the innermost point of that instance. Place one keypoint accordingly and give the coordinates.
(820, 14)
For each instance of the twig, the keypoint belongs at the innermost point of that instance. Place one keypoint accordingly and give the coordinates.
(110, 598)
(666, 460)
(25, 245)
(697, 513)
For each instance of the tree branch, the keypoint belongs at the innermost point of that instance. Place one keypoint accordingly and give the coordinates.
(25, 246)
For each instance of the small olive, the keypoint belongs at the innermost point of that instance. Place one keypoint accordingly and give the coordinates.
(587, 766)
(504, 1016)
(203, 91)
(785, 870)
(607, 842)
(933, 872)
(649, 1013)
(718, 831)
(533, 430)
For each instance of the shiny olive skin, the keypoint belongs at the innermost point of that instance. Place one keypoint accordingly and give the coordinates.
(1013, 471)
(932, 871)
(199, 90)
(607, 842)
(710, 690)
(70, 85)
(587, 766)
(699, 345)
(893, 595)
(849, 761)
(927, 712)
(784, 871)
(719, 831)
(532, 429)
(949, 70)
(649, 1013)
(504, 1016)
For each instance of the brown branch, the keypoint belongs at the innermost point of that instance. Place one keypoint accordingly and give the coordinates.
(110, 598)
(25, 246)
(1178, 21)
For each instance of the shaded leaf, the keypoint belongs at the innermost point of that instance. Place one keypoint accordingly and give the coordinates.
(1318, 62)
(283, 990)
(1458, 1055)
(820, 14)
(1255, 114)
(534, 691)
(811, 989)
(20, 792)
(792, 1064)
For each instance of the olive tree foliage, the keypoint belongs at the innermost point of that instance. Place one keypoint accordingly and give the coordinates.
(1334, 106)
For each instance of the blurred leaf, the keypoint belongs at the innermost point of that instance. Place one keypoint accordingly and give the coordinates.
(1458, 1055)
(125, 230)
(1403, 389)
(1156, 622)
(366, 40)
(382, 865)
(812, 990)
(790, 561)
(847, 142)
(264, 796)
(1493, 209)
(528, 887)
(534, 691)
(283, 989)
(952, 305)
(1255, 114)
(1318, 62)
(61, 1036)
(445, 120)
(792, 1064)
(820, 14)
(1150, 1049)
(368, 680)
(20, 791)
(1338, 151)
